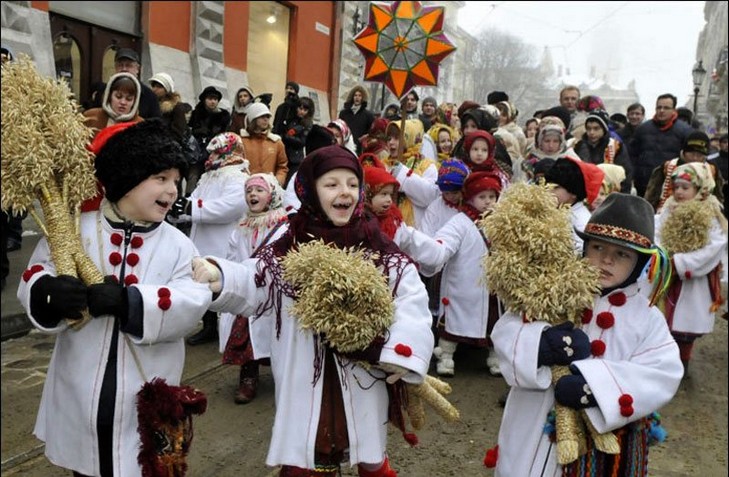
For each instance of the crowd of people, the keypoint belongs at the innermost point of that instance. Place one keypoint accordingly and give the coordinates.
(216, 201)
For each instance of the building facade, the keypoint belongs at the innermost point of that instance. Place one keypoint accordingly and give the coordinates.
(712, 51)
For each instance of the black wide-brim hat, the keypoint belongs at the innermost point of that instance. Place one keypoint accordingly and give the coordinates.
(622, 219)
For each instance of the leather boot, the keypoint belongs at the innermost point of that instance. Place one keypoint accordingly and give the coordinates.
(247, 383)
(209, 331)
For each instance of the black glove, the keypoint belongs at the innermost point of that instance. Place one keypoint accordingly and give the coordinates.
(55, 298)
(573, 391)
(180, 207)
(108, 298)
(563, 344)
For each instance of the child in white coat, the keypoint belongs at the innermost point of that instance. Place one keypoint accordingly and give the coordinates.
(329, 407)
(261, 225)
(215, 206)
(692, 300)
(465, 308)
(145, 307)
(624, 362)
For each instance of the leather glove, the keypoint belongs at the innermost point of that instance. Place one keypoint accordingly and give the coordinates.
(55, 298)
(109, 298)
(573, 391)
(563, 344)
(180, 207)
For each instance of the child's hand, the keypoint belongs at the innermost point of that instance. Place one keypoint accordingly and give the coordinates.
(573, 391)
(563, 344)
(204, 271)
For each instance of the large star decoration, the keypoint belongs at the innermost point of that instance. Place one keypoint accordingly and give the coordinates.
(403, 45)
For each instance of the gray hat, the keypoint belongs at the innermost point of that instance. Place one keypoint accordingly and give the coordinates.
(126, 54)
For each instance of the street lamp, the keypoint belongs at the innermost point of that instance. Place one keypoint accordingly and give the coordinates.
(698, 74)
(357, 24)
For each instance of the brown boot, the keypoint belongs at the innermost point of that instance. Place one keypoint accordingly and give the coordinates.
(247, 383)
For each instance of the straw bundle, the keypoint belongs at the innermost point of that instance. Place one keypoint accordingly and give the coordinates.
(532, 267)
(346, 299)
(687, 227)
(44, 157)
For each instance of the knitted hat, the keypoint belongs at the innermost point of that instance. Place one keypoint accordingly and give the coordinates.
(369, 159)
(685, 114)
(480, 181)
(318, 163)
(255, 111)
(129, 153)
(496, 97)
(210, 92)
(376, 178)
(452, 175)
(483, 120)
(546, 129)
(696, 141)
(294, 85)
(578, 177)
(318, 137)
(479, 134)
(429, 100)
(165, 81)
(623, 219)
(601, 117)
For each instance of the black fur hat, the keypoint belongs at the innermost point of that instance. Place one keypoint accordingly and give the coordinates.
(133, 154)
(567, 173)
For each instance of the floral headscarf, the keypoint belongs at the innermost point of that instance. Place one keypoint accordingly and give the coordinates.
(226, 149)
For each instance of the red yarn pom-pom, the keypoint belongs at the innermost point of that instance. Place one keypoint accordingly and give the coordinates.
(598, 347)
(163, 292)
(403, 350)
(410, 438)
(116, 239)
(164, 303)
(625, 400)
(137, 241)
(617, 299)
(130, 280)
(605, 320)
(115, 258)
(132, 259)
(492, 455)
(586, 316)
(626, 411)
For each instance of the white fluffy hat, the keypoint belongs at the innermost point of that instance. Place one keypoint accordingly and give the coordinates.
(165, 80)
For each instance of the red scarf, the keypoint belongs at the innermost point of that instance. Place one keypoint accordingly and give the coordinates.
(668, 124)
(390, 221)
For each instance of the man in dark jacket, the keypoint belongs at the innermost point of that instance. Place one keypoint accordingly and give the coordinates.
(127, 60)
(356, 115)
(286, 111)
(657, 141)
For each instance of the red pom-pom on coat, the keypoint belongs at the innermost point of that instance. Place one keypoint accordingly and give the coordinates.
(163, 292)
(31, 271)
(115, 258)
(605, 320)
(116, 239)
(617, 299)
(625, 400)
(130, 280)
(137, 242)
(492, 456)
(626, 411)
(164, 303)
(586, 316)
(598, 347)
(132, 259)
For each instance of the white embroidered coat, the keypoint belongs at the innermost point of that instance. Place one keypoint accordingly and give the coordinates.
(692, 313)
(69, 406)
(421, 190)
(217, 203)
(436, 216)
(641, 359)
(464, 298)
(298, 397)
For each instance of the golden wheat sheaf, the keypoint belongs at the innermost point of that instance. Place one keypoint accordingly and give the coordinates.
(687, 227)
(341, 294)
(531, 264)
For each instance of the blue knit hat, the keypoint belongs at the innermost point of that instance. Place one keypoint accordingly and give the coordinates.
(452, 175)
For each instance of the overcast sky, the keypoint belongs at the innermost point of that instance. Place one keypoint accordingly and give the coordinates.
(651, 42)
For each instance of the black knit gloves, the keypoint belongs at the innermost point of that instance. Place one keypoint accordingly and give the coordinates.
(55, 298)
(109, 298)
(573, 391)
(563, 344)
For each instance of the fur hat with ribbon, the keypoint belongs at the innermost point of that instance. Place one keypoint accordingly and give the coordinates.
(226, 149)
(129, 153)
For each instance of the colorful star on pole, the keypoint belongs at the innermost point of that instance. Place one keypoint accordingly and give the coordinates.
(403, 45)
